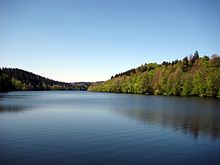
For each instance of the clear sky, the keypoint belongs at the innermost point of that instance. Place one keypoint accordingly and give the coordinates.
(91, 40)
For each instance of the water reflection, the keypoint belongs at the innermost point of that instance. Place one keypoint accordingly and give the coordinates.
(196, 116)
(13, 103)
(194, 124)
(190, 115)
(12, 108)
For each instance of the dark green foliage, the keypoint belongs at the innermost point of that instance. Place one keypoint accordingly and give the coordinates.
(194, 58)
(5, 82)
(192, 76)
(185, 64)
(127, 73)
(17, 79)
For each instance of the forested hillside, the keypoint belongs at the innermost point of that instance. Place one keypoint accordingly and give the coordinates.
(17, 79)
(191, 76)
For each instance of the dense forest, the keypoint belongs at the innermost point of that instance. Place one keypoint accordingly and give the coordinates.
(191, 76)
(17, 79)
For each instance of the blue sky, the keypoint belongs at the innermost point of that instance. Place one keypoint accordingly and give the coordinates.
(91, 40)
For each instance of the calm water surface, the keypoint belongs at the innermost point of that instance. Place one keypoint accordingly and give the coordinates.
(68, 127)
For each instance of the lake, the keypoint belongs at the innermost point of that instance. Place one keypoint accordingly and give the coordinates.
(74, 127)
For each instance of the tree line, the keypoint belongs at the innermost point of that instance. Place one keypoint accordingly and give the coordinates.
(17, 79)
(191, 76)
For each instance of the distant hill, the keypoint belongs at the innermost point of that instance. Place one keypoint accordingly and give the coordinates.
(191, 76)
(17, 79)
